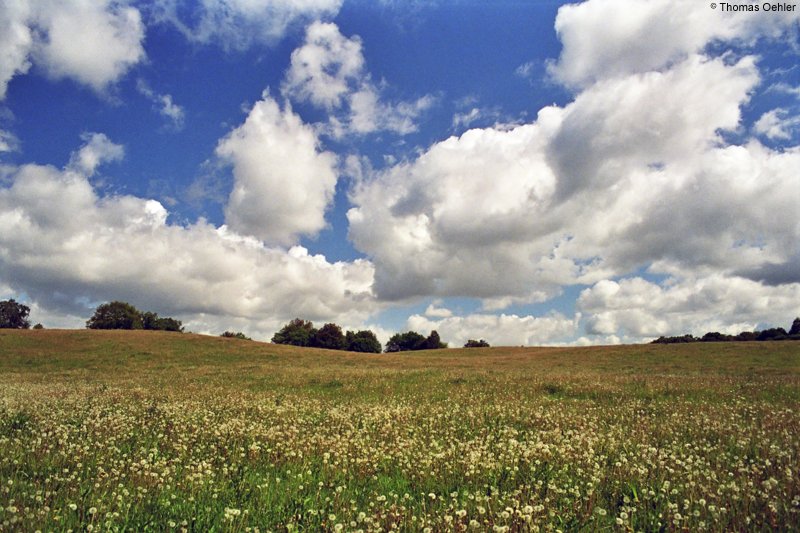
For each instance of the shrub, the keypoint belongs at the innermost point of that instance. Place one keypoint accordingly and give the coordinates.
(476, 344)
(237, 335)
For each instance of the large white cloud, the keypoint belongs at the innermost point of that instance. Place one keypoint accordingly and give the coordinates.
(329, 71)
(66, 247)
(634, 173)
(605, 39)
(237, 24)
(283, 182)
(637, 308)
(53, 35)
(498, 330)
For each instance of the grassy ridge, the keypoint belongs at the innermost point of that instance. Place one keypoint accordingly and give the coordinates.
(113, 430)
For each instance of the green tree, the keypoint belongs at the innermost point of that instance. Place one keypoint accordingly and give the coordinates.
(152, 321)
(795, 329)
(115, 315)
(433, 342)
(329, 336)
(14, 315)
(404, 342)
(472, 343)
(363, 341)
(298, 332)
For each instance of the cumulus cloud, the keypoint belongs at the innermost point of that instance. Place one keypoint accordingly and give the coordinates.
(53, 36)
(8, 141)
(604, 39)
(329, 71)
(68, 248)
(283, 182)
(98, 150)
(641, 309)
(634, 173)
(498, 330)
(164, 104)
(777, 124)
(238, 24)
(16, 40)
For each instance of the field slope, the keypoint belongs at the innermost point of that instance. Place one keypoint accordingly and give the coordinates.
(113, 430)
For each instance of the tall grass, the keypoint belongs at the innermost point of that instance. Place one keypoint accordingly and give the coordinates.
(151, 431)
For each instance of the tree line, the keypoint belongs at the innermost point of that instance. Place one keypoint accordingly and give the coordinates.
(770, 334)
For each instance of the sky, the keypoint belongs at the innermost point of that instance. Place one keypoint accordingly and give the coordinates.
(525, 172)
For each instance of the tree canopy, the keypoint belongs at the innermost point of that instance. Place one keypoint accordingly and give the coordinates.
(363, 341)
(411, 341)
(14, 315)
(298, 332)
(329, 336)
(122, 315)
(301, 332)
(115, 315)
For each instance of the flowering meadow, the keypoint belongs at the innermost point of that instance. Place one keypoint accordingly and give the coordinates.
(147, 431)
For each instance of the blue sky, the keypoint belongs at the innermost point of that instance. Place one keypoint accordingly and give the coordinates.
(524, 172)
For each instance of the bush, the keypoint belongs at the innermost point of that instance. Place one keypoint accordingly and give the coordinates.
(38, 326)
(237, 335)
(363, 341)
(14, 315)
(476, 344)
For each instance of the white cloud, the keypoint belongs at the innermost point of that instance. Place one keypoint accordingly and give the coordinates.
(53, 35)
(98, 150)
(634, 173)
(283, 182)
(238, 24)
(16, 40)
(462, 120)
(498, 330)
(777, 124)
(68, 248)
(604, 39)
(435, 310)
(164, 104)
(640, 309)
(329, 71)
(8, 141)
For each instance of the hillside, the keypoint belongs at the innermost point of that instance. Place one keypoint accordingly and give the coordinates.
(149, 431)
(111, 356)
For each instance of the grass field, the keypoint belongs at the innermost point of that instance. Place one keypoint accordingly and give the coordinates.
(138, 431)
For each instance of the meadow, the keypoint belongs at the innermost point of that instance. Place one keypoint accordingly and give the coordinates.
(152, 431)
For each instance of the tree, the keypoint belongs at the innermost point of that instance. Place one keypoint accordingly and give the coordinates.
(152, 321)
(471, 343)
(329, 336)
(115, 315)
(411, 340)
(363, 341)
(403, 342)
(298, 332)
(771, 334)
(795, 329)
(433, 342)
(14, 315)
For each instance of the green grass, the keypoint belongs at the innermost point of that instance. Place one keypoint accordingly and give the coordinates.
(139, 431)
